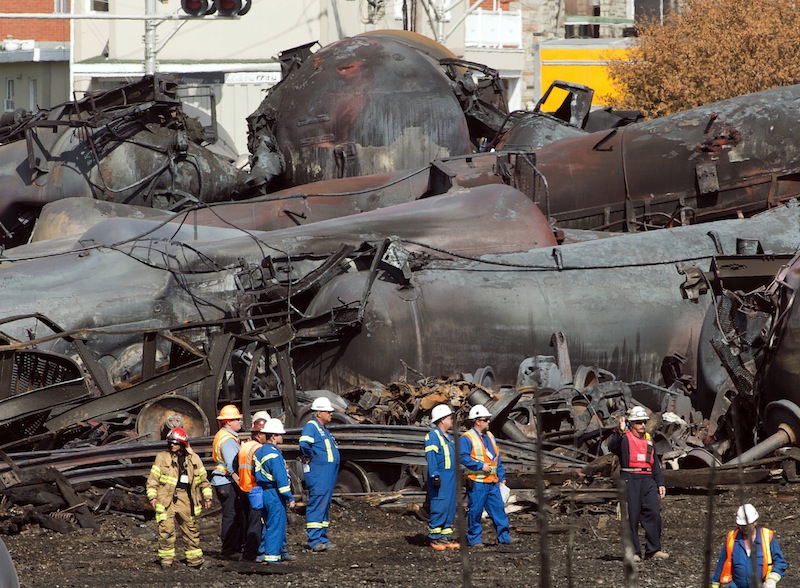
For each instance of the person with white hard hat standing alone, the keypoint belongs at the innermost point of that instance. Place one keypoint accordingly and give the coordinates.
(225, 478)
(644, 481)
(440, 454)
(320, 457)
(276, 493)
(735, 565)
(484, 474)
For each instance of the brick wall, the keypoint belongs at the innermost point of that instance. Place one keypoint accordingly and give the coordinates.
(36, 29)
(490, 4)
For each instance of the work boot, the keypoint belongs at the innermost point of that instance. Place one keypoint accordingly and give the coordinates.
(320, 547)
(510, 541)
(331, 547)
(477, 546)
(165, 565)
(439, 544)
(289, 557)
(637, 558)
(659, 555)
(451, 544)
(199, 566)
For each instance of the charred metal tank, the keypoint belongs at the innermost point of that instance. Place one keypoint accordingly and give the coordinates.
(618, 299)
(367, 104)
(731, 157)
(130, 145)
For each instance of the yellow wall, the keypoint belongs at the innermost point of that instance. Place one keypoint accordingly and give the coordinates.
(580, 65)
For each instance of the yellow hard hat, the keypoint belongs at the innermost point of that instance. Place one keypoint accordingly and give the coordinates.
(229, 413)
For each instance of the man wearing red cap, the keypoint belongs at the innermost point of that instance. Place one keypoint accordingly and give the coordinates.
(178, 488)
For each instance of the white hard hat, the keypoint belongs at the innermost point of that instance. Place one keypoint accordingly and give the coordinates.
(478, 411)
(439, 412)
(322, 404)
(746, 514)
(261, 414)
(637, 413)
(273, 427)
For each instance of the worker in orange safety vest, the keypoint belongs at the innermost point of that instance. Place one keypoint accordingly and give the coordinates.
(735, 566)
(224, 479)
(247, 481)
(484, 473)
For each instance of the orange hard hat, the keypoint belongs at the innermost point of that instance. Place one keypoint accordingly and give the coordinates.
(229, 413)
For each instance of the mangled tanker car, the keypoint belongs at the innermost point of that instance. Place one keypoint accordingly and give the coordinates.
(348, 281)
(136, 308)
(379, 102)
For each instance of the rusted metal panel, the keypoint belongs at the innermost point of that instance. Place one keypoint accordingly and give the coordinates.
(716, 160)
(133, 396)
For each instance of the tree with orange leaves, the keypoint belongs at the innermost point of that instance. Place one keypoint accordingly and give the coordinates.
(709, 51)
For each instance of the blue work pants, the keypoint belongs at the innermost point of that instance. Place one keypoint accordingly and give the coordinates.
(273, 538)
(442, 507)
(320, 481)
(486, 496)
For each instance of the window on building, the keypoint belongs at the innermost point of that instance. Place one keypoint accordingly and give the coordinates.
(61, 6)
(647, 10)
(577, 11)
(8, 103)
(100, 5)
(33, 94)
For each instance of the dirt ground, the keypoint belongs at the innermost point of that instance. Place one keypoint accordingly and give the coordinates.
(380, 548)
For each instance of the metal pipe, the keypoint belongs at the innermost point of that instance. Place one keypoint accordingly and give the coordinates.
(783, 436)
(150, 25)
(509, 429)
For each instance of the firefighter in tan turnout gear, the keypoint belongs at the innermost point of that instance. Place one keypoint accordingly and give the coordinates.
(178, 488)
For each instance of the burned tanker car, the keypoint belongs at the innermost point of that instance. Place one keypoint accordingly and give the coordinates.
(153, 300)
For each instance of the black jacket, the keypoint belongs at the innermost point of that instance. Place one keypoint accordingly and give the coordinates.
(618, 445)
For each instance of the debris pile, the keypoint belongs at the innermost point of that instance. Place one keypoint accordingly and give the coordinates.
(41, 497)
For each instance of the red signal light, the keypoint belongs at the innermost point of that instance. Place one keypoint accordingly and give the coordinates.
(228, 7)
(195, 7)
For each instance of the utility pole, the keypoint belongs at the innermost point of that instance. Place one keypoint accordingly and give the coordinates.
(150, 64)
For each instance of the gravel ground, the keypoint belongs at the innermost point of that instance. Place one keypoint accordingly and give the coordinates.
(381, 548)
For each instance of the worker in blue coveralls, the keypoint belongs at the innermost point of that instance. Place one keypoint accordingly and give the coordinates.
(276, 495)
(484, 473)
(735, 565)
(320, 458)
(440, 453)
(644, 481)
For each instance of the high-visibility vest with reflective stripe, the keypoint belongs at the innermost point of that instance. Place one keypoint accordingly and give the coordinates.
(220, 438)
(478, 454)
(727, 568)
(247, 479)
(270, 469)
(445, 448)
(325, 438)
